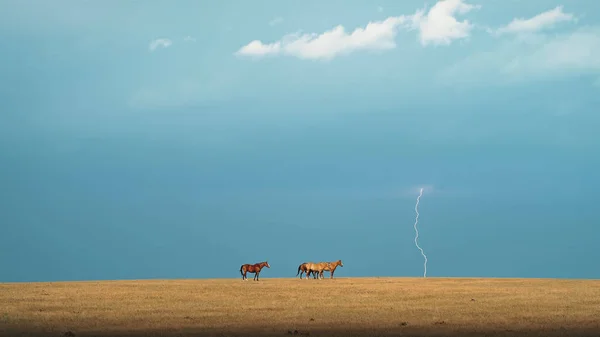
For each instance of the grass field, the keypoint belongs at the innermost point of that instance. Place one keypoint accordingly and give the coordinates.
(280, 307)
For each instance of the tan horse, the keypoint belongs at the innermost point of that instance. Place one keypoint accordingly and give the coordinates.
(316, 268)
(303, 268)
(331, 266)
(253, 268)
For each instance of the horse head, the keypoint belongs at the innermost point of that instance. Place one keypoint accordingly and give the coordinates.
(339, 263)
(266, 264)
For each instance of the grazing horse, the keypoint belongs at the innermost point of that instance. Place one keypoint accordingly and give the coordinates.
(253, 268)
(331, 266)
(316, 268)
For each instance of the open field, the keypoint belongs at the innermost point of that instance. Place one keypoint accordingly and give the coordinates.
(280, 307)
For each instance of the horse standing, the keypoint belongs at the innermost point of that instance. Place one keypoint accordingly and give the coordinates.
(331, 266)
(253, 268)
(316, 268)
(303, 268)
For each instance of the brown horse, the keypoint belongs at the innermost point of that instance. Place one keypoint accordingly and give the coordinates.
(331, 266)
(303, 268)
(316, 268)
(253, 268)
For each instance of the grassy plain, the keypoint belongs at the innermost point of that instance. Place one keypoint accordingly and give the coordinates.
(283, 307)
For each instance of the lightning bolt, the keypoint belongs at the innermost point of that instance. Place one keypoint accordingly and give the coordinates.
(417, 233)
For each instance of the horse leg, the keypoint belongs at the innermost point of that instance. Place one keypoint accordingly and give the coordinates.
(256, 276)
(331, 276)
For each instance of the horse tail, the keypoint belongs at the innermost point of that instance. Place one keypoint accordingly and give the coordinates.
(299, 267)
(241, 270)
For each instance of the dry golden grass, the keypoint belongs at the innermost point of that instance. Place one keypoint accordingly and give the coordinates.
(338, 307)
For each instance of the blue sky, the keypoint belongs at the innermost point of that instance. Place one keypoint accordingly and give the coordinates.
(150, 139)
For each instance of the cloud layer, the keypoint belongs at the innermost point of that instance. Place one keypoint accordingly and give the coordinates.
(526, 49)
(375, 36)
(542, 57)
(576, 52)
(540, 22)
(438, 26)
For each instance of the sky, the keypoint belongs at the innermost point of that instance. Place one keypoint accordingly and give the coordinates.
(167, 140)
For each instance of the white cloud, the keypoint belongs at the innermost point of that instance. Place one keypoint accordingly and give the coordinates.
(439, 26)
(164, 43)
(276, 21)
(374, 36)
(257, 48)
(537, 23)
(518, 60)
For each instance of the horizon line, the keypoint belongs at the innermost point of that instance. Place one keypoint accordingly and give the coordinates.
(289, 278)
